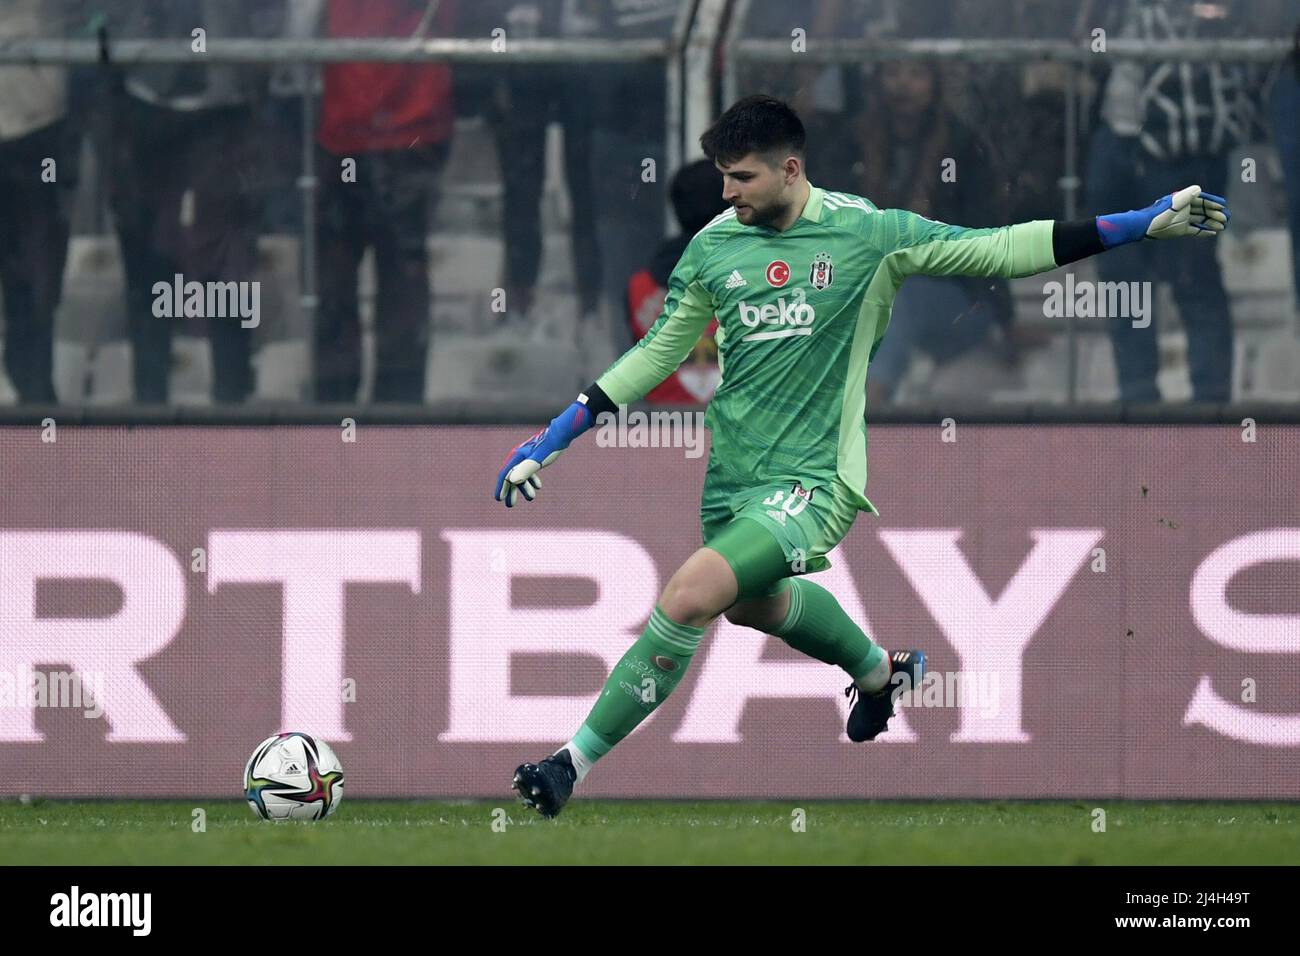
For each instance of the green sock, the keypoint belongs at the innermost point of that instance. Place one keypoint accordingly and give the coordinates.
(816, 625)
(639, 683)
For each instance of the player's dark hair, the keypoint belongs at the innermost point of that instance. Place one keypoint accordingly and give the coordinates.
(696, 194)
(757, 124)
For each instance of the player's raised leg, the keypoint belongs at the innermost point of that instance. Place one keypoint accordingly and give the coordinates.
(809, 618)
(777, 537)
(652, 667)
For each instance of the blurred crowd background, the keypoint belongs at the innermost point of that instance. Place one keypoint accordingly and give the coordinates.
(506, 229)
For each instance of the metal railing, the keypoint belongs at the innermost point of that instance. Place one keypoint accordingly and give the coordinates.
(221, 51)
(484, 410)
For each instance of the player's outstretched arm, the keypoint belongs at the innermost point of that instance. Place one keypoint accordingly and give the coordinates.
(913, 245)
(688, 309)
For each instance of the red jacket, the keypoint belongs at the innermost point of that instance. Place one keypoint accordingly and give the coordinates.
(367, 107)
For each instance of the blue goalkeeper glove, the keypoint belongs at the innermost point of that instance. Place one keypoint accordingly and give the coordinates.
(1188, 212)
(518, 475)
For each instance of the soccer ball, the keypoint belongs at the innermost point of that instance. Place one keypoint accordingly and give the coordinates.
(293, 776)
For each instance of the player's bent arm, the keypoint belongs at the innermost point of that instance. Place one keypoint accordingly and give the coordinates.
(688, 310)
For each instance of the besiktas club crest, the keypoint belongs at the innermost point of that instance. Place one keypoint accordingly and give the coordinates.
(822, 271)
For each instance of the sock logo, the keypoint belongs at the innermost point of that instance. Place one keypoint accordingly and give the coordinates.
(664, 663)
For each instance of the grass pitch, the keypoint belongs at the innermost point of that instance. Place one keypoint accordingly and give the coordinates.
(661, 832)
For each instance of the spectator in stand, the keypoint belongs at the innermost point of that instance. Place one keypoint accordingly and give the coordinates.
(181, 151)
(1166, 124)
(917, 155)
(34, 240)
(385, 133)
(522, 101)
(1286, 132)
(696, 193)
(612, 116)
(629, 101)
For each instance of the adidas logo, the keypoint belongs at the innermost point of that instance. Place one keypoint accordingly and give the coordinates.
(735, 280)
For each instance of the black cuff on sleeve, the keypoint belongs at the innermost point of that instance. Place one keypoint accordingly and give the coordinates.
(1075, 240)
(598, 402)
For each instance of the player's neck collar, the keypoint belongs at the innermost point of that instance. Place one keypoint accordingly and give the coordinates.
(812, 210)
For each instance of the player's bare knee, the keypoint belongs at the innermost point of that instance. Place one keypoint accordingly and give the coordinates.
(698, 593)
(686, 602)
(700, 590)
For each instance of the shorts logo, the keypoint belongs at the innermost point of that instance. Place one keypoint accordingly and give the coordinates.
(778, 273)
(822, 272)
(664, 663)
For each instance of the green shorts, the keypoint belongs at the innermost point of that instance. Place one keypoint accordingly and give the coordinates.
(805, 522)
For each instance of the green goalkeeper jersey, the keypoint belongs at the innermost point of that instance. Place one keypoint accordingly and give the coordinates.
(800, 314)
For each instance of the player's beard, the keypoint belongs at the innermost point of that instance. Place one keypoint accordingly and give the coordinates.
(766, 215)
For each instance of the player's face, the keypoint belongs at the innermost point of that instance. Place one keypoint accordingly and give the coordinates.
(758, 190)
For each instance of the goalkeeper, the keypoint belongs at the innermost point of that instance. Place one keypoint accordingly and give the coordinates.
(801, 280)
